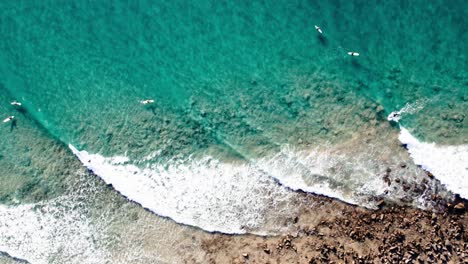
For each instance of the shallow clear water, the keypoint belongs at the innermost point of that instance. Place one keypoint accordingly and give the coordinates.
(251, 102)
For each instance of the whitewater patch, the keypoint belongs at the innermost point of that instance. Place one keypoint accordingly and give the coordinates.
(206, 193)
(323, 172)
(449, 164)
(49, 232)
(250, 196)
(408, 109)
(353, 172)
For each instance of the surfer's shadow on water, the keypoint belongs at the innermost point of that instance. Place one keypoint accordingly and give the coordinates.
(323, 40)
(13, 125)
(356, 65)
(152, 109)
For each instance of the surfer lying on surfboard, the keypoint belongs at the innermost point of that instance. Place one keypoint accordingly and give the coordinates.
(394, 116)
(318, 29)
(149, 101)
(8, 119)
(352, 53)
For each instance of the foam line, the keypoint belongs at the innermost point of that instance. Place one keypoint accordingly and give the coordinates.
(207, 193)
(241, 197)
(449, 164)
(309, 171)
(234, 197)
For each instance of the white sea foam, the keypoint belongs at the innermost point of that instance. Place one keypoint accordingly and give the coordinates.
(449, 164)
(414, 107)
(86, 226)
(330, 174)
(207, 193)
(407, 109)
(48, 232)
(242, 197)
(239, 197)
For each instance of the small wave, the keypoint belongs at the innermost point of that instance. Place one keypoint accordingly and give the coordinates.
(408, 109)
(414, 107)
(353, 172)
(449, 164)
(325, 173)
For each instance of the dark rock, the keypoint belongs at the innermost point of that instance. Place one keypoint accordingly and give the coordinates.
(448, 245)
(459, 206)
(406, 187)
(380, 203)
(387, 180)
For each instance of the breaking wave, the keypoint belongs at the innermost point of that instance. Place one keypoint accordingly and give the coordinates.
(245, 197)
(206, 193)
(449, 164)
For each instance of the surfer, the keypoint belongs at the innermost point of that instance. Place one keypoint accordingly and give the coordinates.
(8, 119)
(15, 103)
(318, 29)
(148, 101)
(352, 53)
(394, 116)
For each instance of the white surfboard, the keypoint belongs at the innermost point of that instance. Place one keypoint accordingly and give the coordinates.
(8, 119)
(318, 29)
(352, 53)
(149, 101)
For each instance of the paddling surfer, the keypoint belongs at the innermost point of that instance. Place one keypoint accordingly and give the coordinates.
(394, 116)
(8, 119)
(352, 53)
(318, 29)
(148, 101)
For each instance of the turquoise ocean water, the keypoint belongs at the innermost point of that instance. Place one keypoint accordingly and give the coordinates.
(251, 102)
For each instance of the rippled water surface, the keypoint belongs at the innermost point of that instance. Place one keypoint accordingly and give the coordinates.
(251, 103)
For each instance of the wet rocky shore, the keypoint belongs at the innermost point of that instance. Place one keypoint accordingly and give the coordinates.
(347, 234)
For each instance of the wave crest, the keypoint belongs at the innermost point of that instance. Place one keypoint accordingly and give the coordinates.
(207, 193)
(449, 164)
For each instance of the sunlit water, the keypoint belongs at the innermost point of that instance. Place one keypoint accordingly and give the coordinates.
(251, 104)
